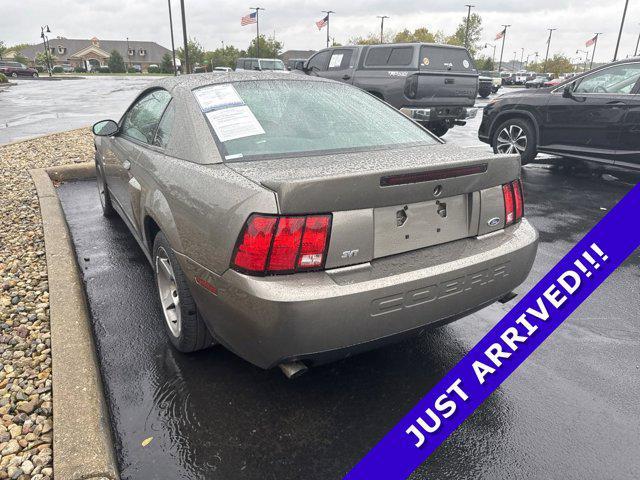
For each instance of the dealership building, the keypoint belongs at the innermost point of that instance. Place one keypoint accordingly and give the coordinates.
(93, 53)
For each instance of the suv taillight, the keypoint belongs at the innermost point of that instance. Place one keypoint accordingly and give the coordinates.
(411, 86)
(270, 244)
(513, 202)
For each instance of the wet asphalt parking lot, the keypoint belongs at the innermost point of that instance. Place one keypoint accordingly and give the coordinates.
(571, 411)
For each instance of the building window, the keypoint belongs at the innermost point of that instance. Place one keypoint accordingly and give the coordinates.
(61, 49)
(132, 52)
(143, 52)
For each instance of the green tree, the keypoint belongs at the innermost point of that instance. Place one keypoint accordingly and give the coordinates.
(475, 33)
(166, 64)
(41, 58)
(419, 35)
(370, 39)
(485, 63)
(223, 57)
(18, 57)
(558, 64)
(116, 63)
(269, 47)
(196, 53)
(3, 49)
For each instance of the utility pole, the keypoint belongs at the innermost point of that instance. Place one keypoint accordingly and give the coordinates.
(637, 44)
(513, 65)
(522, 56)
(328, 12)
(128, 56)
(595, 44)
(466, 30)
(546, 57)
(257, 10)
(173, 47)
(504, 36)
(184, 38)
(381, 17)
(624, 15)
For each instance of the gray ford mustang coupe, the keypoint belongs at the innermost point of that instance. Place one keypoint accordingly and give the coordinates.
(297, 220)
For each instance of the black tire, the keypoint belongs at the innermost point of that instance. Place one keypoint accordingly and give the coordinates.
(14, 75)
(35, 75)
(438, 128)
(192, 334)
(103, 192)
(514, 129)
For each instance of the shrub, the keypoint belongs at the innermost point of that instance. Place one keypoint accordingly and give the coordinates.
(116, 63)
(40, 68)
(58, 69)
(153, 69)
(3, 78)
(104, 69)
(80, 70)
(132, 70)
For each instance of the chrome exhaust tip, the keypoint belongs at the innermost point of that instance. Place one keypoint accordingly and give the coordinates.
(293, 369)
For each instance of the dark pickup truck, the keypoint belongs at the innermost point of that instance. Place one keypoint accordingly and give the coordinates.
(436, 85)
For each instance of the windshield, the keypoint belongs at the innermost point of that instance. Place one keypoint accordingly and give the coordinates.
(265, 119)
(271, 65)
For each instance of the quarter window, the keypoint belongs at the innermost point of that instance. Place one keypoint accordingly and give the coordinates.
(165, 126)
(141, 121)
(389, 57)
(619, 79)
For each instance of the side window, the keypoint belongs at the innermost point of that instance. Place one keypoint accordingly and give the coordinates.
(378, 57)
(340, 59)
(619, 79)
(319, 61)
(165, 126)
(255, 65)
(401, 56)
(142, 119)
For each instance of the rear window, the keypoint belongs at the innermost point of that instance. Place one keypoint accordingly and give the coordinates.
(266, 119)
(445, 58)
(271, 65)
(389, 57)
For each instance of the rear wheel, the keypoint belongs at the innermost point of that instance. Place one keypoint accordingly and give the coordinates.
(183, 324)
(35, 74)
(438, 128)
(516, 135)
(103, 192)
(14, 74)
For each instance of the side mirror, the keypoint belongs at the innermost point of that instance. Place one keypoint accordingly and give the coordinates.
(105, 128)
(568, 91)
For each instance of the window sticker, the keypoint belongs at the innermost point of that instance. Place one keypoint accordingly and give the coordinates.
(336, 60)
(214, 97)
(234, 122)
(465, 63)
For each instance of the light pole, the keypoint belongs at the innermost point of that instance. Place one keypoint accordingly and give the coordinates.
(504, 36)
(493, 57)
(173, 47)
(382, 17)
(624, 14)
(45, 43)
(257, 10)
(466, 30)
(128, 56)
(595, 44)
(586, 58)
(637, 44)
(184, 38)
(522, 57)
(328, 12)
(546, 57)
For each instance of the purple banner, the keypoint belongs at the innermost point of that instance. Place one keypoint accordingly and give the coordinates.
(506, 346)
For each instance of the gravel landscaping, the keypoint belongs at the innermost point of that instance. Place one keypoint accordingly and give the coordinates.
(26, 404)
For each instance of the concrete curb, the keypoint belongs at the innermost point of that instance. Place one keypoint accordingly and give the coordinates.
(82, 441)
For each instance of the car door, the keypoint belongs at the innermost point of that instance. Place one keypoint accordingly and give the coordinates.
(341, 65)
(134, 141)
(317, 64)
(588, 123)
(628, 152)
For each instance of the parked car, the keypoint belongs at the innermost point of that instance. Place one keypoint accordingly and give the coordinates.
(260, 64)
(537, 82)
(17, 69)
(222, 69)
(296, 219)
(593, 116)
(485, 86)
(295, 64)
(554, 82)
(436, 85)
(508, 78)
(496, 79)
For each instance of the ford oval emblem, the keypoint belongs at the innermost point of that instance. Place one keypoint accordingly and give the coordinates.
(493, 221)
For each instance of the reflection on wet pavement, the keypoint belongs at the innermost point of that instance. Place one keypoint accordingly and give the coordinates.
(570, 412)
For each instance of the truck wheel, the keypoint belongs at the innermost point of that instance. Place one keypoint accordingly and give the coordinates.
(438, 128)
(485, 94)
(516, 135)
(182, 322)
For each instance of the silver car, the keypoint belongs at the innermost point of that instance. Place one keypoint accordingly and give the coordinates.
(297, 220)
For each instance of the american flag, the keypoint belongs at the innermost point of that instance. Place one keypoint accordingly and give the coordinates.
(591, 41)
(249, 19)
(501, 34)
(321, 23)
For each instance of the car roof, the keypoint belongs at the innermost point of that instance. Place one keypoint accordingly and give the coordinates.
(196, 80)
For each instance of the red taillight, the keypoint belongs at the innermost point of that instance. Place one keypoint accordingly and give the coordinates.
(513, 202)
(273, 244)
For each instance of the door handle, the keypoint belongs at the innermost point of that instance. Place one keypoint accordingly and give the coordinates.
(126, 164)
(346, 77)
(618, 103)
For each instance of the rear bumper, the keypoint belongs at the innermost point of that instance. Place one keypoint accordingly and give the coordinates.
(435, 114)
(267, 320)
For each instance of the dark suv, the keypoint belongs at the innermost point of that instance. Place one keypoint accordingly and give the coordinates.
(17, 69)
(594, 116)
(436, 85)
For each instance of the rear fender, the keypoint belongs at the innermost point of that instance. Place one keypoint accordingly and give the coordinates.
(157, 208)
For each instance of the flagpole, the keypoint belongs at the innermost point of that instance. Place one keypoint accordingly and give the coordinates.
(504, 36)
(173, 48)
(184, 38)
(595, 44)
(546, 57)
(624, 15)
(328, 12)
(257, 10)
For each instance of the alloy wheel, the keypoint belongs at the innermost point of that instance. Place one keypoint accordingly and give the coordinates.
(168, 290)
(511, 139)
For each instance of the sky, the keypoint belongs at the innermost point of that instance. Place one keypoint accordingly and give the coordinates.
(213, 22)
